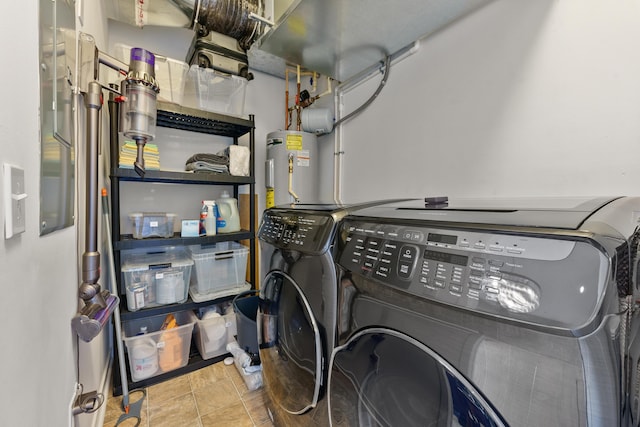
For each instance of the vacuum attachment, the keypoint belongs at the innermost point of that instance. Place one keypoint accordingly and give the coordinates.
(90, 320)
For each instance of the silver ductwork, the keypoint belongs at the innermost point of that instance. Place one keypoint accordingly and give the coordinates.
(239, 19)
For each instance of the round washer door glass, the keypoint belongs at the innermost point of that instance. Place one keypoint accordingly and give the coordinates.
(381, 377)
(290, 345)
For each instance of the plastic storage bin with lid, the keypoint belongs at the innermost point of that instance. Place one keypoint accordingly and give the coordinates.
(215, 326)
(152, 224)
(157, 278)
(158, 344)
(211, 90)
(218, 270)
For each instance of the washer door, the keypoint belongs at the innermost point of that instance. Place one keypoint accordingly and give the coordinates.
(290, 344)
(381, 377)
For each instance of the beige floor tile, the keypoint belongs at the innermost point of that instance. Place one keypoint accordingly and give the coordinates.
(209, 397)
(180, 411)
(206, 376)
(234, 415)
(115, 410)
(235, 376)
(168, 390)
(219, 395)
(254, 402)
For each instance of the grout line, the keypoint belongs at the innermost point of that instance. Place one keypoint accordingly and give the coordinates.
(195, 402)
(241, 396)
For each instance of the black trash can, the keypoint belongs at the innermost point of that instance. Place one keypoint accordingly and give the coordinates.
(246, 309)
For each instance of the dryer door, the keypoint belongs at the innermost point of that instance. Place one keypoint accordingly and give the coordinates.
(290, 344)
(381, 377)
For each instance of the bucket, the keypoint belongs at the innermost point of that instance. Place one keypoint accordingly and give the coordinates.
(246, 309)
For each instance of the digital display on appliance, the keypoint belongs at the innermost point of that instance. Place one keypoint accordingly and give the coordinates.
(446, 257)
(442, 238)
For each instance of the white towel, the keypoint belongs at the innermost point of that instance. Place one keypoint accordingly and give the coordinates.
(238, 159)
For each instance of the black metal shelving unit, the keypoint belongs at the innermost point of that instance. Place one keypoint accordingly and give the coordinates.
(193, 120)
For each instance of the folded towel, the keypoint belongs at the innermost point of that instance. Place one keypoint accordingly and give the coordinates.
(238, 159)
(207, 162)
(206, 167)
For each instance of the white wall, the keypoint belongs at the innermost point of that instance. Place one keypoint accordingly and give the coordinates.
(521, 98)
(37, 274)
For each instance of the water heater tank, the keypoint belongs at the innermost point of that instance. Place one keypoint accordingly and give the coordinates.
(292, 171)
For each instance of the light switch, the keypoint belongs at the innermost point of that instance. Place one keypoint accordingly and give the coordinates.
(14, 200)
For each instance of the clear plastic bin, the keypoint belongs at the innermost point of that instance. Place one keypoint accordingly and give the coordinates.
(210, 90)
(153, 351)
(219, 267)
(214, 328)
(152, 224)
(156, 279)
(171, 74)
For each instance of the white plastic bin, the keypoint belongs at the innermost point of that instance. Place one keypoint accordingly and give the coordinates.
(157, 351)
(210, 90)
(221, 266)
(154, 279)
(215, 327)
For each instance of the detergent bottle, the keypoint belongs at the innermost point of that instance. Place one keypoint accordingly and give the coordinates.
(228, 216)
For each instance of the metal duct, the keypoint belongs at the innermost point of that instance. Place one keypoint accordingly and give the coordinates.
(233, 18)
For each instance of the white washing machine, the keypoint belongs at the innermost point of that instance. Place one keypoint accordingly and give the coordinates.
(487, 313)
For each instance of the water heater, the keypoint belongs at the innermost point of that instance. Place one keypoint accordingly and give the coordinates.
(291, 168)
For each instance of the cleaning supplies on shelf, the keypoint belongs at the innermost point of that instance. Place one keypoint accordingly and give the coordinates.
(170, 345)
(144, 356)
(211, 220)
(202, 229)
(228, 216)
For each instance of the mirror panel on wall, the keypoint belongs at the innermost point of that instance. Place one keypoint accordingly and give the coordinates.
(57, 68)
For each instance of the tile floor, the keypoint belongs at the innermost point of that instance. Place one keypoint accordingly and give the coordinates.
(212, 396)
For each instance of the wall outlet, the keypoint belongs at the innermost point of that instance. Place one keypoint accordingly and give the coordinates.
(14, 200)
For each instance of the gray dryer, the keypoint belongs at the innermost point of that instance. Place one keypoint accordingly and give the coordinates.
(488, 313)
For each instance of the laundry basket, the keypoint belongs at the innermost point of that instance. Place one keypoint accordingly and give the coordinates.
(246, 309)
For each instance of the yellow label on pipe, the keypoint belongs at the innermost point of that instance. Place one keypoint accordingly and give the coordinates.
(271, 198)
(294, 142)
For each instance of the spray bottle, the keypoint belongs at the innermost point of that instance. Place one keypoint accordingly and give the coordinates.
(212, 217)
(202, 230)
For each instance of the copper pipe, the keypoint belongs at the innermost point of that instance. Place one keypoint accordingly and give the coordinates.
(298, 118)
(286, 99)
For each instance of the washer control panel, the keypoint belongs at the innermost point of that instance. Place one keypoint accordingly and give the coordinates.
(302, 231)
(553, 281)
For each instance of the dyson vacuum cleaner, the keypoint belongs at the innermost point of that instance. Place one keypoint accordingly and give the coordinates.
(137, 121)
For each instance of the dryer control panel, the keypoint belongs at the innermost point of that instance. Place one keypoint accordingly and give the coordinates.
(549, 281)
(301, 231)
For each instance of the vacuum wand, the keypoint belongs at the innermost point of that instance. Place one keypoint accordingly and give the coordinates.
(98, 304)
(138, 121)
